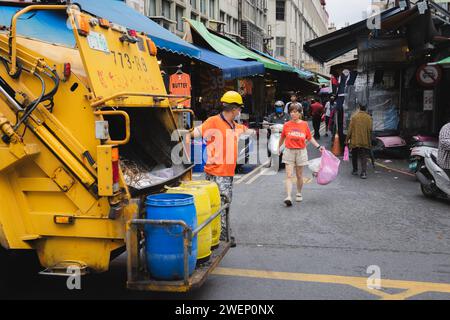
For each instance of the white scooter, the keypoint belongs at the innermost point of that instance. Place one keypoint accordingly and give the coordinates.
(435, 183)
(421, 146)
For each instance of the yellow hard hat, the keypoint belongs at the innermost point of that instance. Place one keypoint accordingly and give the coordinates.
(231, 97)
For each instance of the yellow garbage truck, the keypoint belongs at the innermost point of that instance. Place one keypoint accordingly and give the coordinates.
(87, 133)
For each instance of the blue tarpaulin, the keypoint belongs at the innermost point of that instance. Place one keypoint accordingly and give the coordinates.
(118, 12)
(50, 26)
(232, 68)
(53, 27)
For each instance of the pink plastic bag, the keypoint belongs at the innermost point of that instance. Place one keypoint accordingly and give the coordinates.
(346, 154)
(329, 168)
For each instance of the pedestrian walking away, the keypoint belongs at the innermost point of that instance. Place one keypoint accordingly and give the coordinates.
(306, 108)
(295, 134)
(317, 110)
(220, 131)
(444, 148)
(329, 106)
(294, 99)
(359, 138)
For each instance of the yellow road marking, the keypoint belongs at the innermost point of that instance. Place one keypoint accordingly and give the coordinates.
(412, 288)
(396, 170)
(263, 172)
(251, 173)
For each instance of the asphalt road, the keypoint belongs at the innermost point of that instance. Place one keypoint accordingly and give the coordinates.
(319, 249)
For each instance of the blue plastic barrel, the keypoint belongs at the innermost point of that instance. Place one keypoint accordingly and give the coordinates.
(198, 155)
(164, 244)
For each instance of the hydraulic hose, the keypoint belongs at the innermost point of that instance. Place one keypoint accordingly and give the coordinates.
(34, 104)
(16, 75)
(48, 96)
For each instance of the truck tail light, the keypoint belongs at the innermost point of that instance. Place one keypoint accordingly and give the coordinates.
(115, 168)
(67, 70)
(104, 23)
(152, 47)
(132, 33)
(82, 24)
(63, 219)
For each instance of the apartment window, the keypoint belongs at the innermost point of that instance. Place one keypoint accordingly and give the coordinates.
(212, 9)
(235, 26)
(194, 16)
(280, 10)
(280, 47)
(151, 10)
(203, 6)
(194, 4)
(179, 16)
(166, 9)
(222, 16)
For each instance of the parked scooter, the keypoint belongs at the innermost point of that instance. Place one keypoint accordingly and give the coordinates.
(435, 183)
(389, 143)
(420, 146)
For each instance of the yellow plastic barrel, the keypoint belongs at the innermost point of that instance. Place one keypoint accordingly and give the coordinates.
(214, 197)
(203, 208)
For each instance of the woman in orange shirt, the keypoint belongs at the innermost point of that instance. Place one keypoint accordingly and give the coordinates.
(296, 133)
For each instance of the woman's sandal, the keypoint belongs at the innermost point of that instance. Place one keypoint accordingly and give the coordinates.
(288, 202)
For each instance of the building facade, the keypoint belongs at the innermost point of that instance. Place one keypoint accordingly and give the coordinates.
(277, 27)
(291, 23)
(242, 20)
(170, 13)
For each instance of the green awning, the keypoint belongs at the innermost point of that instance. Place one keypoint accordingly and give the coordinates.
(443, 61)
(234, 50)
(322, 80)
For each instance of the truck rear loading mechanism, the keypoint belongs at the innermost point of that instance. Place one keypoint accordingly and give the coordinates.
(71, 120)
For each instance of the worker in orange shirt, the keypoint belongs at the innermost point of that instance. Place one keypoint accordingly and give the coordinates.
(222, 133)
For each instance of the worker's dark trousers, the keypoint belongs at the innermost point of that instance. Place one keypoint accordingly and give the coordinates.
(316, 125)
(363, 154)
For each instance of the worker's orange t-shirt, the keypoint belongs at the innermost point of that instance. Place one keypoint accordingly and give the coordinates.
(180, 84)
(296, 134)
(222, 143)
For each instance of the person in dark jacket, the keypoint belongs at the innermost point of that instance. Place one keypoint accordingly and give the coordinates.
(317, 110)
(359, 139)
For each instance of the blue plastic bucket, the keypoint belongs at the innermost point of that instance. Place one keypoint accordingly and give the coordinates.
(164, 244)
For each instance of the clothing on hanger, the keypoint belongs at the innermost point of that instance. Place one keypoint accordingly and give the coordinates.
(180, 84)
